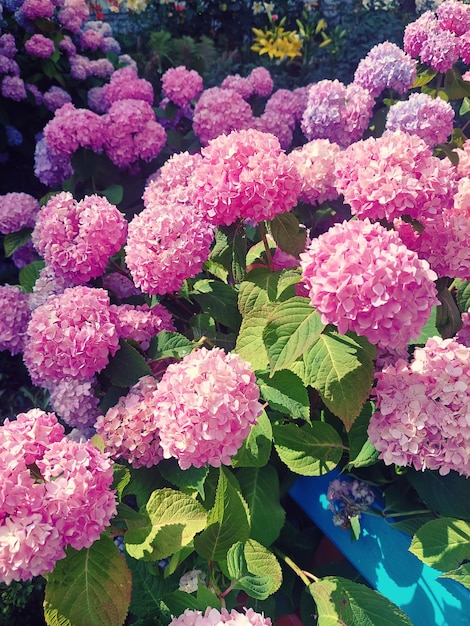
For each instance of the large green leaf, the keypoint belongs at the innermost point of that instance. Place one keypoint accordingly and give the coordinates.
(260, 488)
(219, 301)
(341, 601)
(442, 543)
(227, 522)
(308, 450)
(341, 368)
(90, 587)
(166, 345)
(148, 588)
(461, 575)
(445, 495)
(289, 235)
(254, 569)
(169, 521)
(256, 448)
(285, 392)
(13, 241)
(29, 275)
(361, 451)
(292, 328)
(462, 288)
(190, 479)
(126, 366)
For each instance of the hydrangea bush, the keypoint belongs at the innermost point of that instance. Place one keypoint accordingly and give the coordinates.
(275, 288)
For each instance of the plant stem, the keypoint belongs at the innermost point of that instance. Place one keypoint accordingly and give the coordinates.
(304, 576)
(269, 257)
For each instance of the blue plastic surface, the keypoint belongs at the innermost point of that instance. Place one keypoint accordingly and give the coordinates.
(381, 556)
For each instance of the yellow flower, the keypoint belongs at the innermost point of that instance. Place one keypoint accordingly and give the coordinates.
(277, 43)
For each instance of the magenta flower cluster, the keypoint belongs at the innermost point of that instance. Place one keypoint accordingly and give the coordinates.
(422, 408)
(54, 493)
(359, 277)
(141, 323)
(181, 85)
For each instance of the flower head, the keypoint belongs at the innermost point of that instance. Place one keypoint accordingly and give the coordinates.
(141, 323)
(17, 210)
(386, 66)
(213, 617)
(220, 111)
(181, 85)
(39, 46)
(315, 163)
(14, 304)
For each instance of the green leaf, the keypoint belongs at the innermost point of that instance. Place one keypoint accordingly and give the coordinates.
(461, 575)
(126, 366)
(113, 193)
(429, 329)
(462, 288)
(455, 87)
(90, 587)
(256, 448)
(121, 478)
(260, 488)
(292, 328)
(227, 522)
(424, 78)
(29, 275)
(341, 601)
(169, 521)
(310, 450)
(148, 589)
(169, 345)
(445, 495)
(465, 106)
(191, 479)
(361, 451)
(261, 578)
(289, 235)
(341, 368)
(286, 393)
(13, 241)
(442, 543)
(179, 601)
(219, 301)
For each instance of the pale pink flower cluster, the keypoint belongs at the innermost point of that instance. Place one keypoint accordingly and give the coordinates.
(70, 336)
(17, 210)
(47, 284)
(394, 175)
(141, 323)
(244, 175)
(175, 172)
(431, 119)
(463, 166)
(129, 429)
(441, 39)
(125, 84)
(206, 405)
(39, 46)
(75, 238)
(167, 243)
(72, 128)
(131, 132)
(315, 162)
(14, 305)
(422, 409)
(240, 84)
(54, 493)
(360, 277)
(213, 617)
(74, 401)
(337, 112)
(386, 66)
(181, 85)
(220, 111)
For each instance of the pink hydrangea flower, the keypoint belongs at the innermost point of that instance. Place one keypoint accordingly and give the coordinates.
(39, 46)
(91, 40)
(69, 502)
(14, 304)
(429, 40)
(73, 14)
(72, 128)
(167, 243)
(206, 405)
(360, 276)
(463, 166)
(33, 9)
(431, 119)
(276, 124)
(422, 407)
(289, 104)
(213, 617)
(242, 86)
(129, 429)
(141, 323)
(47, 284)
(220, 111)
(454, 16)
(394, 175)
(70, 336)
(8, 45)
(244, 175)
(336, 112)
(261, 81)
(315, 163)
(67, 46)
(181, 85)
(76, 239)
(17, 210)
(125, 84)
(386, 66)
(74, 401)
(175, 172)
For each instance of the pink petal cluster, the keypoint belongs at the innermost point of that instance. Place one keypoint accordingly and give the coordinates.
(91, 39)
(181, 85)
(125, 84)
(73, 14)
(213, 617)
(290, 105)
(422, 409)
(17, 210)
(141, 323)
(394, 175)
(8, 47)
(276, 124)
(336, 112)
(261, 81)
(14, 305)
(463, 336)
(72, 128)
(463, 166)
(206, 405)
(386, 66)
(132, 133)
(167, 243)
(175, 172)
(360, 277)
(74, 401)
(32, 9)
(241, 85)
(70, 336)
(315, 162)
(82, 67)
(431, 119)
(129, 429)
(244, 175)
(220, 111)
(54, 493)
(47, 284)
(76, 239)
(39, 46)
